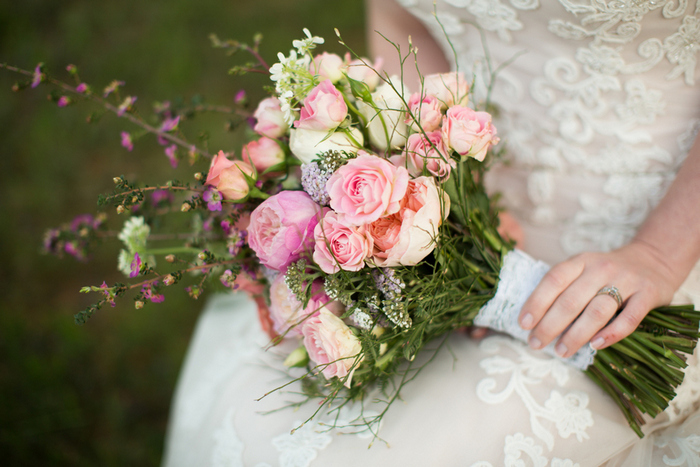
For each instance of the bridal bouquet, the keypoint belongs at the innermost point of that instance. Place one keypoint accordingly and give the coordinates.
(357, 219)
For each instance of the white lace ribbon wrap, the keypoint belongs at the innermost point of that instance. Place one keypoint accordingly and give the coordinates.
(519, 276)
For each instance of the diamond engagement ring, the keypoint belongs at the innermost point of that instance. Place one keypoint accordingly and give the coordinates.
(613, 292)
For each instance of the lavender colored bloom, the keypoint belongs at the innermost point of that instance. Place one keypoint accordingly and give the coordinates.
(213, 198)
(73, 249)
(51, 241)
(135, 266)
(82, 87)
(240, 96)
(161, 196)
(113, 86)
(125, 105)
(63, 101)
(236, 241)
(226, 226)
(171, 152)
(313, 180)
(387, 282)
(169, 124)
(149, 295)
(38, 76)
(83, 220)
(126, 141)
(109, 294)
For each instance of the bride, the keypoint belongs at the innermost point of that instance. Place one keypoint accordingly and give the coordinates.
(599, 111)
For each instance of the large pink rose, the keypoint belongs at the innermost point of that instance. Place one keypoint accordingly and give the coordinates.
(409, 236)
(323, 110)
(429, 153)
(468, 132)
(281, 228)
(449, 88)
(332, 345)
(426, 111)
(270, 118)
(367, 188)
(263, 154)
(288, 315)
(340, 245)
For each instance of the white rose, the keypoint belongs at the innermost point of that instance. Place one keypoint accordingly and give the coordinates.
(306, 144)
(390, 106)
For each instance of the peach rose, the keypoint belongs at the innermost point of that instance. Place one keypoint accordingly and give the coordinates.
(449, 88)
(229, 177)
(332, 345)
(263, 154)
(428, 153)
(340, 245)
(287, 313)
(323, 110)
(426, 111)
(468, 132)
(407, 237)
(367, 188)
(270, 118)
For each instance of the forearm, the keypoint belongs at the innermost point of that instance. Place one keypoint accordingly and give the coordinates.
(396, 24)
(672, 230)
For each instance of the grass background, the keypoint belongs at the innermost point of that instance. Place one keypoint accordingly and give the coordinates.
(99, 394)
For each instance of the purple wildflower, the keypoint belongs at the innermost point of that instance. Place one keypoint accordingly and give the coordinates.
(109, 294)
(148, 294)
(226, 226)
(38, 76)
(388, 283)
(113, 86)
(83, 220)
(207, 225)
(126, 141)
(161, 197)
(313, 180)
(135, 266)
(73, 249)
(169, 124)
(82, 87)
(236, 240)
(171, 152)
(125, 105)
(228, 279)
(240, 97)
(51, 241)
(250, 271)
(72, 69)
(63, 101)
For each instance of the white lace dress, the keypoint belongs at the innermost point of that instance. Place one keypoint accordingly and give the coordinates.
(598, 109)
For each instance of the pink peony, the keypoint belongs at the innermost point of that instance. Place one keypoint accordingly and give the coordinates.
(449, 88)
(323, 110)
(331, 344)
(468, 132)
(281, 228)
(429, 153)
(426, 111)
(328, 66)
(270, 118)
(340, 245)
(409, 236)
(367, 188)
(263, 154)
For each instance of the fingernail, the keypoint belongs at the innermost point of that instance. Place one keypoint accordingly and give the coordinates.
(597, 343)
(535, 343)
(526, 322)
(561, 349)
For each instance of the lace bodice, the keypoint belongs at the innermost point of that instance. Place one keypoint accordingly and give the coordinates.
(598, 106)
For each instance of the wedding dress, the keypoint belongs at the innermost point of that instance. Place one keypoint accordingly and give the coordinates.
(598, 107)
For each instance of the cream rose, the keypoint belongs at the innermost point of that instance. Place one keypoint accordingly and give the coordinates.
(307, 144)
(386, 120)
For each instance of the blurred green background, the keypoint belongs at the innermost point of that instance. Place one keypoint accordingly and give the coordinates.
(99, 394)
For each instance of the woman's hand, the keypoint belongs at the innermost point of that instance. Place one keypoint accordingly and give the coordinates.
(565, 301)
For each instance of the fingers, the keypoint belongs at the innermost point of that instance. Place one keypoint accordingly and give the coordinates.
(546, 293)
(596, 315)
(625, 323)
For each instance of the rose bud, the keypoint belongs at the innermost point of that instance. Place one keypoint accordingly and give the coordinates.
(263, 154)
(270, 118)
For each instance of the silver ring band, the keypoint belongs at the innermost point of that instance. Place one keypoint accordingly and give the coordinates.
(613, 292)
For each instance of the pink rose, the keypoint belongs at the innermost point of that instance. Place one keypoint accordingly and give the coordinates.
(281, 228)
(340, 245)
(263, 154)
(218, 164)
(449, 88)
(367, 188)
(426, 111)
(328, 66)
(468, 132)
(409, 236)
(270, 118)
(429, 153)
(229, 177)
(287, 312)
(358, 70)
(332, 345)
(323, 110)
